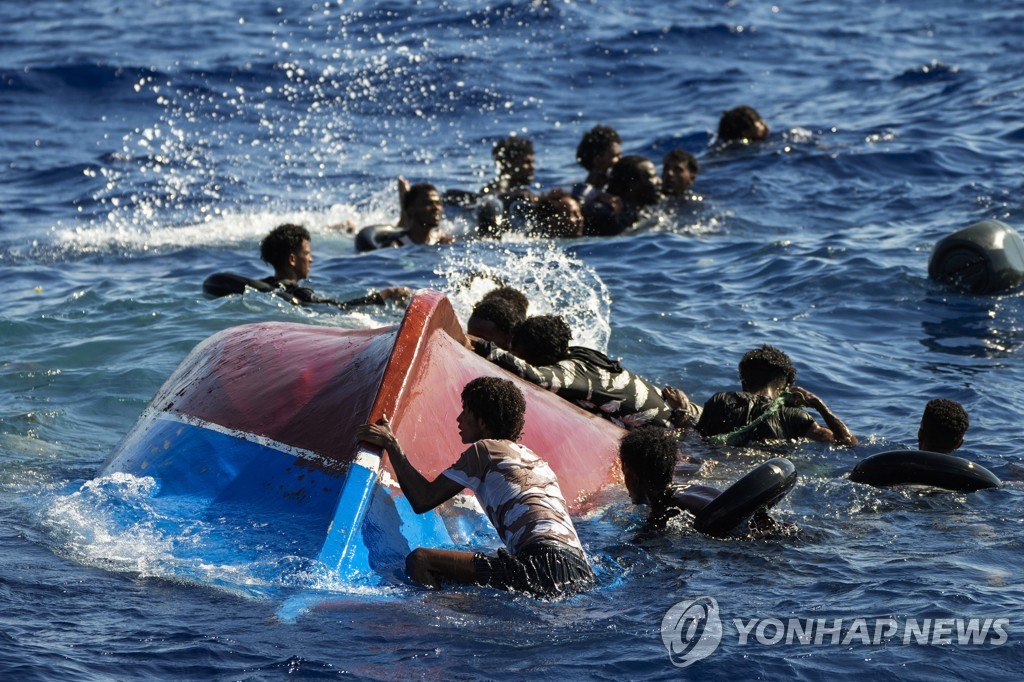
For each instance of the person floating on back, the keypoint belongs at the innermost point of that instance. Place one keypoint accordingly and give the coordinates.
(287, 248)
(770, 407)
(541, 354)
(943, 426)
(518, 490)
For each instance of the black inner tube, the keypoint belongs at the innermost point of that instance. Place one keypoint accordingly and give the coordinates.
(919, 467)
(762, 488)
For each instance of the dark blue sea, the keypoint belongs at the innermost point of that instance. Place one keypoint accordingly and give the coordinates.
(146, 145)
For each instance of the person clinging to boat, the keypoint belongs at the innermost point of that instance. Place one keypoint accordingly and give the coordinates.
(494, 319)
(944, 423)
(288, 249)
(769, 407)
(496, 315)
(540, 352)
(517, 489)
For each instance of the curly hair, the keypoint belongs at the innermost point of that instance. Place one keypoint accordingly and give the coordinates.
(765, 366)
(498, 403)
(501, 312)
(650, 453)
(594, 143)
(945, 422)
(542, 340)
(283, 241)
(517, 298)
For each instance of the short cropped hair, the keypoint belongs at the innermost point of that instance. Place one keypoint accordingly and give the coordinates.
(514, 296)
(283, 241)
(501, 312)
(511, 148)
(764, 366)
(650, 453)
(945, 422)
(413, 194)
(594, 143)
(542, 339)
(686, 157)
(498, 403)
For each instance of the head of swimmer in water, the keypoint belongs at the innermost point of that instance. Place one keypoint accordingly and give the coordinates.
(514, 296)
(422, 204)
(516, 161)
(766, 367)
(678, 172)
(635, 180)
(943, 426)
(599, 150)
(742, 124)
(648, 456)
(558, 214)
(287, 250)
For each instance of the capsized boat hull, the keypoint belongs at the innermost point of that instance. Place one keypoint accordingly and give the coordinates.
(257, 424)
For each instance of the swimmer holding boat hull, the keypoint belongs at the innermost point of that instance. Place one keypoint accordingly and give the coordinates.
(519, 491)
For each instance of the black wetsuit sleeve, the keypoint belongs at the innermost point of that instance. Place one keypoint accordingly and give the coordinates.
(307, 296)
(370, 299)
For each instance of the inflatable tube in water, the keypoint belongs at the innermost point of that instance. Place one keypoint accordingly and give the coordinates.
(984, 258)
(917, 467)
(227, 283)
(762, 488)
(373, 237)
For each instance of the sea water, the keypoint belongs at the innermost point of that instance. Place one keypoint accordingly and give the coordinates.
(147, 145)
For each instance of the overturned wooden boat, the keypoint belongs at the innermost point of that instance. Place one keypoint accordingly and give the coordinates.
(257, 425)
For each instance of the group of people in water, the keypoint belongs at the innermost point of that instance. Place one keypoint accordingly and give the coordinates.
(618, 190)
(519, 492)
